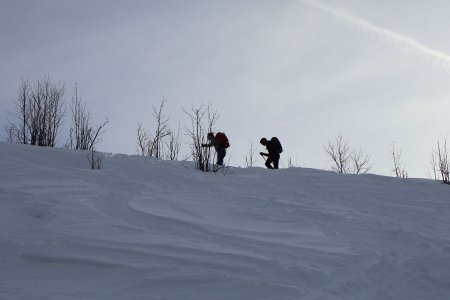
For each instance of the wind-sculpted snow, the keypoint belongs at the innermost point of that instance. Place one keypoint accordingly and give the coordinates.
(146, 229)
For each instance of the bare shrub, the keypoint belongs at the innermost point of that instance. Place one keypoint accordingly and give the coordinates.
(95, 160)
(360, 162)
(80, 131)
(162, 130)
(440, 161)
(17, 131)
(154, 146)
(202, 121)
(83, 136)
(399, 168)
(39, 112)
(250, 157)
(144, 145)
(339, 152)
(173, 145)
(291, 163)
(345, 160)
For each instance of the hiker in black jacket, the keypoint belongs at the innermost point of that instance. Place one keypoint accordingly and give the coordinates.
(274, 154)
(220, 148)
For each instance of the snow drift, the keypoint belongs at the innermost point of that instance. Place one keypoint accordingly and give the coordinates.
(146, 229)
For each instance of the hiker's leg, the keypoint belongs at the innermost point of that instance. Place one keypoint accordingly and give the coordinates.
(276, 161)
(269, 162)
(220, 156)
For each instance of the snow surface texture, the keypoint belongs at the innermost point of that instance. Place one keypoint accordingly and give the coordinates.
(146, 229)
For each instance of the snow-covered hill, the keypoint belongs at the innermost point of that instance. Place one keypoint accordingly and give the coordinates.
(146, 229)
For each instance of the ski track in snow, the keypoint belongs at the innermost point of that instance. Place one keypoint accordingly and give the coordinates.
(437, 57)
(147, 229)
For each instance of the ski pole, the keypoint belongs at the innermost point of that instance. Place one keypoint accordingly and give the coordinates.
(263, 157)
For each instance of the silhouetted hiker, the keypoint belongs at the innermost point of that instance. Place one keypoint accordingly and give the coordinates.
(220, 143)
(274, 148)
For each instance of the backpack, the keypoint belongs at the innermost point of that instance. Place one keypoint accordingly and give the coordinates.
(277, 144)
(222, 139)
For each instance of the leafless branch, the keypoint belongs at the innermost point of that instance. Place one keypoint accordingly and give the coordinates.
(161, 130)
(361, 162)
(346, 160)
(202, 121)
(250, 157)
(39, 112)
(339, 152)
(441, 161)
(95, 160)
(173, 145)
(399, 169)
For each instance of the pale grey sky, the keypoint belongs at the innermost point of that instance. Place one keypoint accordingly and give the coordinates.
(300, 70)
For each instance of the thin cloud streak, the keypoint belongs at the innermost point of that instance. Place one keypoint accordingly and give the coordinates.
(437, 56)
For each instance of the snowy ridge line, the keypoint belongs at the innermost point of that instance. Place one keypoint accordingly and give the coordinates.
(440, 57)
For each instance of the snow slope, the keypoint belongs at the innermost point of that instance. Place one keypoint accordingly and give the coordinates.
(146, 229)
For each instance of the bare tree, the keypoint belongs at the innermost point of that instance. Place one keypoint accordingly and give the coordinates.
(203, 119)
(83, 136)
(250, 157)
(10, 133)
(46, 112)
(441, 162)
(173, 145)
(39, 113)
(290, 162)
(399, 169)
(433, 162)
(18, 131)
(144, 145)
(339, 152)
(154, 146)
(94, 159)
(345, 160)
(360, 162)
(161, 130)
(80, 131)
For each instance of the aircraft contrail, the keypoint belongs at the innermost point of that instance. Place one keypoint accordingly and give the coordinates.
(436, 55)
